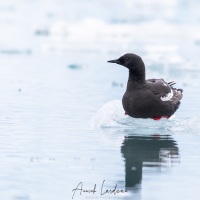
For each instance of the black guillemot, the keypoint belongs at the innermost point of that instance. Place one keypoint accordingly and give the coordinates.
(151, 98)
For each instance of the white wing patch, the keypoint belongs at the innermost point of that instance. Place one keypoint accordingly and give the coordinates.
(168, 96)
(164, 84)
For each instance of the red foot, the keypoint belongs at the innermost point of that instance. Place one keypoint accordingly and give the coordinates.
(157, 136)
(158, 118)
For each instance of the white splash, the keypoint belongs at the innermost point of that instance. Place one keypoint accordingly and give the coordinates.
(112, 115)
(108, 115)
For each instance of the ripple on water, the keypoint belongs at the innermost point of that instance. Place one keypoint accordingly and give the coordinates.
(111, 115)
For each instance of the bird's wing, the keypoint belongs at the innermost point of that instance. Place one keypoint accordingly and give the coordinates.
(161, 89)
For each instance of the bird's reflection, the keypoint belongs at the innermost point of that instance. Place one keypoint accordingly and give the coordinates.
(150, 151)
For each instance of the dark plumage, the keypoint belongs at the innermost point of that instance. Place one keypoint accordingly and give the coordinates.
(152, 98)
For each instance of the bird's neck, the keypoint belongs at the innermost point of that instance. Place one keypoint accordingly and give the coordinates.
(136, 77)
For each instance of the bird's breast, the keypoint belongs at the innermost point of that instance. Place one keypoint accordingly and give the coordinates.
(131, 104)
(138, 105)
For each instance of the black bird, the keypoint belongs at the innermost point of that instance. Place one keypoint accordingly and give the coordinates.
(152, 98)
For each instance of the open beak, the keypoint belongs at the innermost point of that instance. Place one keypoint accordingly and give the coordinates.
(114, 61)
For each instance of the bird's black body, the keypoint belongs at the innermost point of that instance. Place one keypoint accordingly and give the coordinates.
(153, 98)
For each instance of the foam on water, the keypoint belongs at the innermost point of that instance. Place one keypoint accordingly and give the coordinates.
(111, 115)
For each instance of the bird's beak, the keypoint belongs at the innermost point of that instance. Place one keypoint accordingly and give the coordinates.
(114, 61)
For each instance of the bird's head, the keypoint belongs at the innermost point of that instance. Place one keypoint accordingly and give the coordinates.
(129, 60)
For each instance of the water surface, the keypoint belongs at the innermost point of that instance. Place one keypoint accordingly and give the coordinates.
(54, 78)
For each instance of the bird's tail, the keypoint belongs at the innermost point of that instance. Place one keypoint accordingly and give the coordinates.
(171, 83)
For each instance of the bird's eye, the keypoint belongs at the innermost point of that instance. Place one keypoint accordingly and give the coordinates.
(125, 59)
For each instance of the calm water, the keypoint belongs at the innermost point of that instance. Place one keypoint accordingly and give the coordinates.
(54, 78)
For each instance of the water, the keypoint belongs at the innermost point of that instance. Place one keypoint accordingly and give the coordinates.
(54, 80)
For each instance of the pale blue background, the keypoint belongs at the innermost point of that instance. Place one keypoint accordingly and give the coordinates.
(54, 77)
